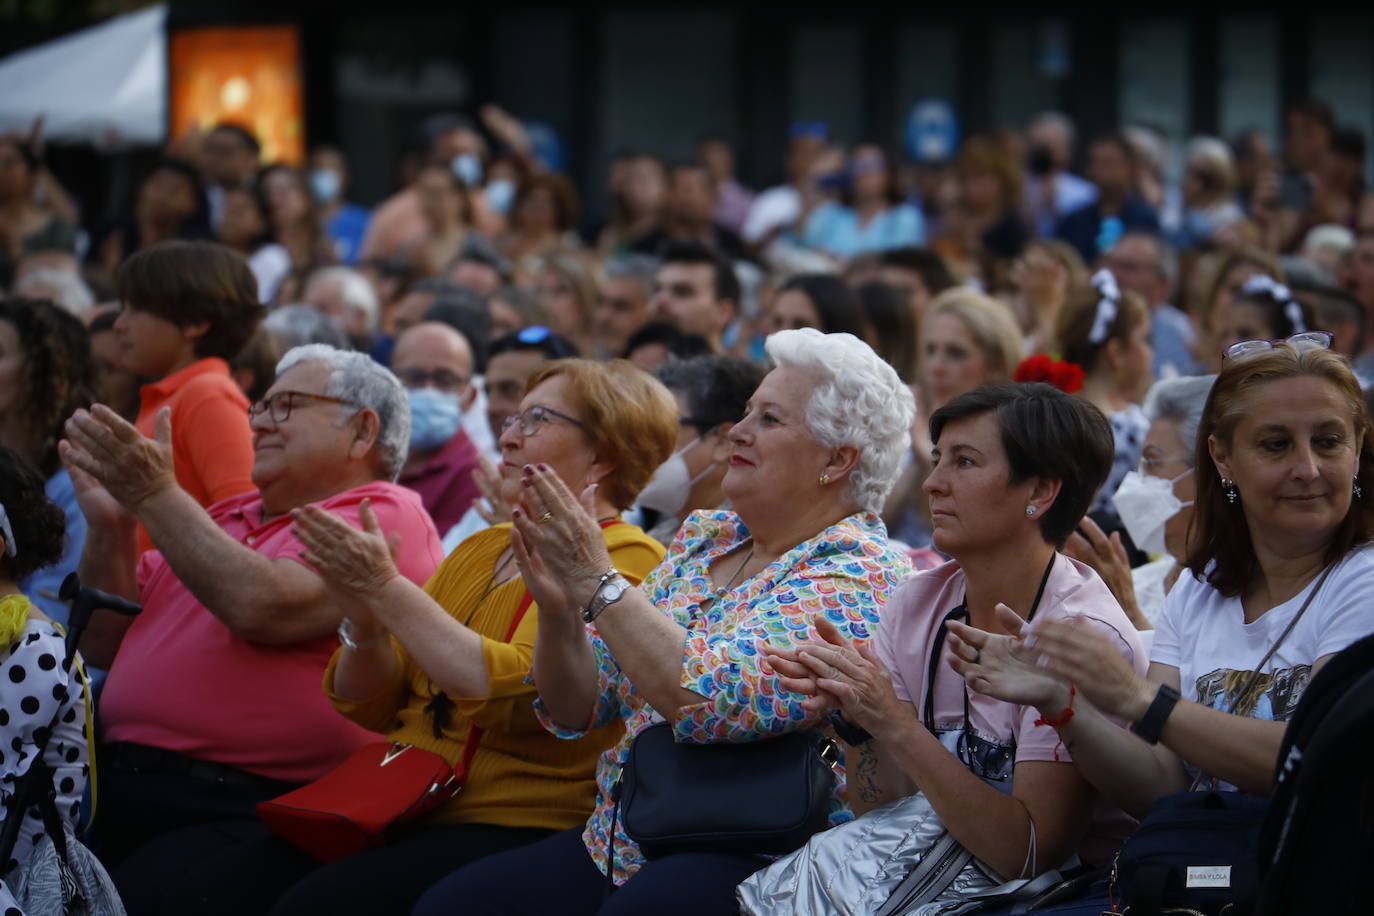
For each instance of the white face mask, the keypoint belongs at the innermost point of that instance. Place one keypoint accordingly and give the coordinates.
(1146, 503)
(668, 489)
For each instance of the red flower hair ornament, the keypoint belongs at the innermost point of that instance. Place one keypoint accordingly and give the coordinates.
(1062, 374)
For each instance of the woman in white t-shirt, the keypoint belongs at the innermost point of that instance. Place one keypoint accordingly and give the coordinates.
(1284, 514)
(1015, 467)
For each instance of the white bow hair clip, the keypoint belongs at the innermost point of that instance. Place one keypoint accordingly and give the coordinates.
(7, 533)
(1263, 283)
(1105, 316)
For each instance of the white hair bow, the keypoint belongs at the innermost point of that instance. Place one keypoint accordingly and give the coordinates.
(7, 533)
(1293, 312)
(1105, 317)
(1263, 283)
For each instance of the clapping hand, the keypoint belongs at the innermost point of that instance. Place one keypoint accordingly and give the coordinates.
(838, 673)
(557, 542)
(131, 467)
(353, 564)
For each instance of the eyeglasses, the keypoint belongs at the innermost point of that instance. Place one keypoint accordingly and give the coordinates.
(1149, 465)
(1307, 340)
(279, 405)
(534, 417)
(442, 379)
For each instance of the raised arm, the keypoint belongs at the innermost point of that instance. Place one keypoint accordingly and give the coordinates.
(571, 558)
(271, 601)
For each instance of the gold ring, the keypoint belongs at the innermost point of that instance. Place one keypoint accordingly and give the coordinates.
(546, 518)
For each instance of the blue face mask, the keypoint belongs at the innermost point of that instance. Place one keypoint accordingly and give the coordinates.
(325, 185)
(435, 417)
(500, 195)
(468, 168)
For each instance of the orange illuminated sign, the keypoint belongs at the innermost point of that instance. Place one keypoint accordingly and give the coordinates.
(246, 76)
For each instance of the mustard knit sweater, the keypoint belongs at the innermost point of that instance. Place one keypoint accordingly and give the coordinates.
(521, 776)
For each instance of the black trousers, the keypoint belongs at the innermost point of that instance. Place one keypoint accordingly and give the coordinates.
(181, 844)
(268, 875)
(557, 875)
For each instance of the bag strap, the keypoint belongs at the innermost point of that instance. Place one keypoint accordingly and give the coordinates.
(1254, 677)
(475, 732)
(930, 877)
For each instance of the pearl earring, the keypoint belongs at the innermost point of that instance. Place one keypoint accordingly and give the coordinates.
(1229, 486)
(1030, 511)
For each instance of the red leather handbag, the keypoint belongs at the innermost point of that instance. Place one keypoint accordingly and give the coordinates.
(350, 810)
(381, 787)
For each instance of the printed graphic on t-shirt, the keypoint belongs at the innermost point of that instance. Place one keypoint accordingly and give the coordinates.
(1274, 696)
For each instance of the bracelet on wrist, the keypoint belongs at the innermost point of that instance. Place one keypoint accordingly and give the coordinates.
(346, 637)
(1065, 716)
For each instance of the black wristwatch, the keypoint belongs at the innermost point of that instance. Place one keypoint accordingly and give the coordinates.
(849, 733)
(1151, 725)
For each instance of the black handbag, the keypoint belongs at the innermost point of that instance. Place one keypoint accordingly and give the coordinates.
(766, 797)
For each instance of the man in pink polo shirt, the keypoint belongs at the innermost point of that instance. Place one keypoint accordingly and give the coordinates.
(214, 698)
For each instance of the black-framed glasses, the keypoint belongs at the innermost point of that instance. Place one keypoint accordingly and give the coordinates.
(1306, 340)
(280, 405)
(534, 417)
(441, 379)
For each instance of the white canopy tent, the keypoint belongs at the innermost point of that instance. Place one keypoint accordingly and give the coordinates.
(105, 85)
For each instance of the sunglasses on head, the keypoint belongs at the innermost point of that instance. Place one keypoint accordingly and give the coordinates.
(1307, 340)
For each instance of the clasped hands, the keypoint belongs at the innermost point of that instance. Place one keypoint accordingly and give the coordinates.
(838, 673)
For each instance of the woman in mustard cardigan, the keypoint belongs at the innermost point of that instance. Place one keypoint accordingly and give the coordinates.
(434, 667)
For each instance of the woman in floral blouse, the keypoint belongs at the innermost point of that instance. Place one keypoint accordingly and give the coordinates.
(813, 459)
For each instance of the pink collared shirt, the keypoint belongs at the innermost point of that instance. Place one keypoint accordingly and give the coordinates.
(182, 681)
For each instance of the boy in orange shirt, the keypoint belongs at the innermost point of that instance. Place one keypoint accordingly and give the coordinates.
(188, 308)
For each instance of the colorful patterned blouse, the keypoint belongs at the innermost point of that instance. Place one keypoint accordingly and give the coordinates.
(845, 572)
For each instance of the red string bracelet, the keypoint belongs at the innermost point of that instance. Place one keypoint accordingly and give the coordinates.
(1063, 719)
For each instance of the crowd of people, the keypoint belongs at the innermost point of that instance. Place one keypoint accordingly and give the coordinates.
(967, 464)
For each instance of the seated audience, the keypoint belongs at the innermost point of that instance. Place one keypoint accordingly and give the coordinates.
(213, 702)
(444, 667)
(813, 458)
(1015, 469)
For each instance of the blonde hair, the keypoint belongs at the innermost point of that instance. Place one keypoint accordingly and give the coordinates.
(627, 414)
(989, 322)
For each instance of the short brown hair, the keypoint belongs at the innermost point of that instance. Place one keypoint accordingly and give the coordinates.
(192, 282)
(630, 418)
(1222, 534)
(567, 210)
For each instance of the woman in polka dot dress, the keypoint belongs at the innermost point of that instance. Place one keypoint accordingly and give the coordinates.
(35, 691)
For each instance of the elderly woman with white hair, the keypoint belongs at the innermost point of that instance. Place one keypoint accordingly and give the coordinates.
(812, 459)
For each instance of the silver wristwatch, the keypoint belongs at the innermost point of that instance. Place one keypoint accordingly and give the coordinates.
(609, 590)
(346, 637)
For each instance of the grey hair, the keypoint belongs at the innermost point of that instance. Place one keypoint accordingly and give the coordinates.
(364, 384)
(858, 401)
(298, 325)
(1057, 120)
(641, 268)
(1181, 400)
(1166, 255)
(355, 290)
(69, 290)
